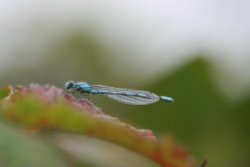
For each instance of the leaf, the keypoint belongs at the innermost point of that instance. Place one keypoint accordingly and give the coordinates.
(47, 107)
(5, 91)
(18, 149)
(100, 153)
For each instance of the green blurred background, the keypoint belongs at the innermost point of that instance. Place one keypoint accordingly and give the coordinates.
(210, 115)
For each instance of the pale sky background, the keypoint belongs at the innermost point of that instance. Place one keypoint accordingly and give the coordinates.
(159, 33)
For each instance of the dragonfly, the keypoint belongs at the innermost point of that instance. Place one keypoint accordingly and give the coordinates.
(123, 95)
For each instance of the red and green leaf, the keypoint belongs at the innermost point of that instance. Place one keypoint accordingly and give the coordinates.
(46, 107)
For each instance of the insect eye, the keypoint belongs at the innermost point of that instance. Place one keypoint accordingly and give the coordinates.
(69, 85)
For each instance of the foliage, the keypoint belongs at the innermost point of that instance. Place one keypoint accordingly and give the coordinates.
(204, 119)
(38, 108)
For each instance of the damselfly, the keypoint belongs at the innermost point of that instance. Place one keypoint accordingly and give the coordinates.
(127, 96)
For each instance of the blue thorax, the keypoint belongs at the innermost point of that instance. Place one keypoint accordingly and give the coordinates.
(83, 86)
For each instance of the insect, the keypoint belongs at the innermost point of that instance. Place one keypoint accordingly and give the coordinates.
(127, 96)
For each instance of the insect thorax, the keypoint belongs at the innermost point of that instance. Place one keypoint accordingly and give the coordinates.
(83, 86)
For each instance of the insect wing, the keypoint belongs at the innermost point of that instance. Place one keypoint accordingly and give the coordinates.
(127, 96)
(133, 100)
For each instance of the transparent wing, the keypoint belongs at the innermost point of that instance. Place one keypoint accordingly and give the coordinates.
(133, 100)
(127, 96)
